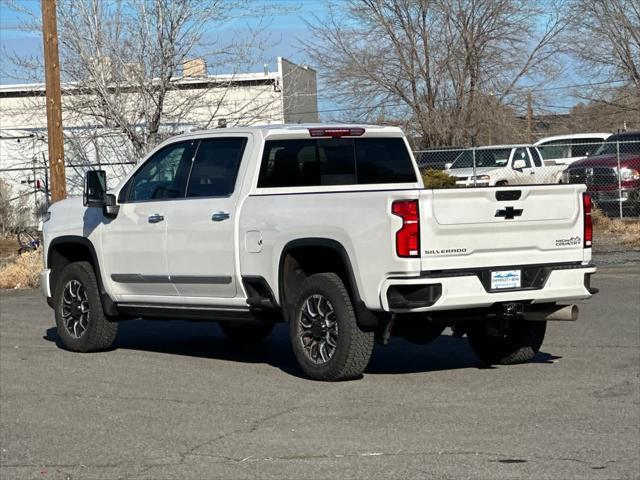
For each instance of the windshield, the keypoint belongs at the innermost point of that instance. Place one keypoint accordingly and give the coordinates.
(628, 144)
(488, 157)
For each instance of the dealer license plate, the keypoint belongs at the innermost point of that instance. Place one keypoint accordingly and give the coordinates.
(503, 279)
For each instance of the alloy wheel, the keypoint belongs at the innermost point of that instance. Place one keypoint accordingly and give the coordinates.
(75, 308)
(318, 329)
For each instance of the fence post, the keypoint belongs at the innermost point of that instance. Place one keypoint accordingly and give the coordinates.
(473, 153)
(619, 178)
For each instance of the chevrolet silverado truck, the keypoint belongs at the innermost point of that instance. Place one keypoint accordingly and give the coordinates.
(503, 165)
(327, 228)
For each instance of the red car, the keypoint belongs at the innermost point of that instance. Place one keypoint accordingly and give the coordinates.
(612, 174)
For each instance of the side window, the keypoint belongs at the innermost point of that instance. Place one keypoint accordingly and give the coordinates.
(164, 175)
(521, 154)
(299, 163)
(555, 149)
(215, 167)
(282, 162)
(584, 146)
(537, 160)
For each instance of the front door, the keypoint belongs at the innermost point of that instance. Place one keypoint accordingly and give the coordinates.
(134, 243)
(523, 176)
(200, 228)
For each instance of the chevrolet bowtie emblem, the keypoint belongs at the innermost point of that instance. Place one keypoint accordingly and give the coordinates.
(509, 213)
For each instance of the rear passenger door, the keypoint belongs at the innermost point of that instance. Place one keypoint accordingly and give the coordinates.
(200, 227)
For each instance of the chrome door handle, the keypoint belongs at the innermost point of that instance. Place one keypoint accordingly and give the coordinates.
(155, 218)
(219, 216)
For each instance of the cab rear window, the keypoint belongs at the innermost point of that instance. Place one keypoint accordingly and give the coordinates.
(336, 161)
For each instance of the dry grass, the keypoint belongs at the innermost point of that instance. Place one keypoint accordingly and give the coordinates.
(626, 233)
(22, 271)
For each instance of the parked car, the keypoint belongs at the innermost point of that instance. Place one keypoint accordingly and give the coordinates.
(503, 165)
(612, 174)
(327, 228)
(566, 149)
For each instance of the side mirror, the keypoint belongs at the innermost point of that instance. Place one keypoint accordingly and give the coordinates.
(519, 164)
(95, 188)
(447, 166)
(95, 193)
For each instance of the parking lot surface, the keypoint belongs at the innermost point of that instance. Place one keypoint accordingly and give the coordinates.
(175, 400)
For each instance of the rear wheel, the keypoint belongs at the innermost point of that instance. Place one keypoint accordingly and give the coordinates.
(326, 339)
(498, 342)
(80, 320)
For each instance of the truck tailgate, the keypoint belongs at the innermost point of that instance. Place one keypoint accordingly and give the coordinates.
(468, 228)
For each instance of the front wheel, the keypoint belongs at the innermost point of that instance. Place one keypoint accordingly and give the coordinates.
(498, 342)
(326, 339)
(80, 320)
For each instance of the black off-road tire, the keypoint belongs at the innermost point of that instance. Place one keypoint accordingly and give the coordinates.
(100, 333)
(354, 345)
(519, 342)
(246, 332)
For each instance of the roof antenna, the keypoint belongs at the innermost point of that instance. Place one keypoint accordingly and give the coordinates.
(266, 69)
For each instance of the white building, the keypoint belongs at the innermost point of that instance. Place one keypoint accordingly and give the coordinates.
(288, 95)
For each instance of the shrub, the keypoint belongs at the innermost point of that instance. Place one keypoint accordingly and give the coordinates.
(23, 271)
(438, 179)
(627, 233)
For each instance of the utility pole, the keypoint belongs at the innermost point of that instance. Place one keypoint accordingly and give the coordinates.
(54, 100)
(529, 117)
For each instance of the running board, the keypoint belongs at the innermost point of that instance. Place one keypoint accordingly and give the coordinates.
(186, 312)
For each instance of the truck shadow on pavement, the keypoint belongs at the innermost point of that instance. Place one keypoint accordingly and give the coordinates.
(205, 340)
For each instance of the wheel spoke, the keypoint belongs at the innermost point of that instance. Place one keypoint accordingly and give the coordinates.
(75, 308)
(318, 328)
(323, 352)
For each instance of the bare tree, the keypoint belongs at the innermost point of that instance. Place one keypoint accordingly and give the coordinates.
(605, 41)
(448, 66)
(125, 65)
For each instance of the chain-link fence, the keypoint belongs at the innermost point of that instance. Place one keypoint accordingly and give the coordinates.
(610, 168)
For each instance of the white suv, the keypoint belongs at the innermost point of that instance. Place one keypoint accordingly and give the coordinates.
(566, 149)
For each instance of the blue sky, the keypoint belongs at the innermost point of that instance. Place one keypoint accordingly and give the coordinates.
(284, 30)
(286, 27)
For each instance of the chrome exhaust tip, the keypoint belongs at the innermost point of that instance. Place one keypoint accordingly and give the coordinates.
(557, 313)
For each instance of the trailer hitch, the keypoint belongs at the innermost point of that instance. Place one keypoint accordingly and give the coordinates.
(512, 310)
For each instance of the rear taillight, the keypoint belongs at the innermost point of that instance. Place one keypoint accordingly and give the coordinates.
(408, 237)
(588, 225)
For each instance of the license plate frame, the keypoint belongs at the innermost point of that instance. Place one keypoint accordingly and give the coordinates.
(506, 279)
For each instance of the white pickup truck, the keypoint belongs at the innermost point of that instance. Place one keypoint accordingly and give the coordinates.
(327, 228)
(503, 165)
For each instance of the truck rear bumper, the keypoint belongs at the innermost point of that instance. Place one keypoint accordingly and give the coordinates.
(463, 290)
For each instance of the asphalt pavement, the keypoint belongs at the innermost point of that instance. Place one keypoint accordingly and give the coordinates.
(175, 400)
